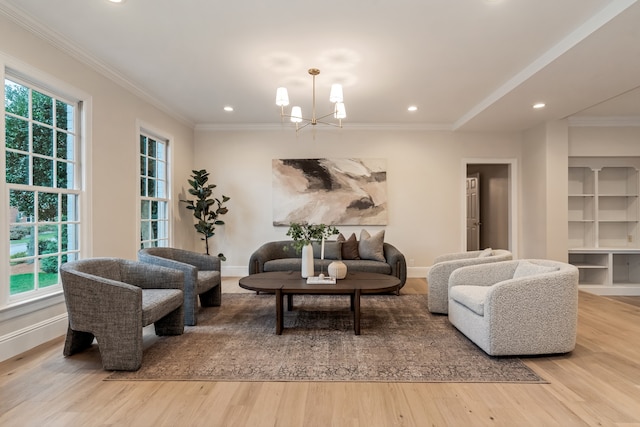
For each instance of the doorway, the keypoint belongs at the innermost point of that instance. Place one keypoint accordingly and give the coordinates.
(490, 204)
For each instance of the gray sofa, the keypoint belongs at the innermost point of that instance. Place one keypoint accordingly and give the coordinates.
(282, 256)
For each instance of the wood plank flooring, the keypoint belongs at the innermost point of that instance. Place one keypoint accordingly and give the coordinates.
(598, 384)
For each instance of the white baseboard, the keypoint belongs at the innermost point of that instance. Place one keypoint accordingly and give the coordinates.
(32, 336)
(241, 271)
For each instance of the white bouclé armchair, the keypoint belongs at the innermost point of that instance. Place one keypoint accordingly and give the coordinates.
(444, 265)
(523, 307)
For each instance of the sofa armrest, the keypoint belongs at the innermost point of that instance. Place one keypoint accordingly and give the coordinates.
(397, 261)
(270, 251)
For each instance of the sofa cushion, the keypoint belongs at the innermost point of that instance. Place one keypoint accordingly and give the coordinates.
(349, 246)
(471, 297)
(332, 249)
(367, 266)
(157, 303)
(371, 247)
(207, 279)
(526, 268)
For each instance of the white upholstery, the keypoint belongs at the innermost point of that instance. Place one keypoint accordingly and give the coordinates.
(444, 265)
(536, 313)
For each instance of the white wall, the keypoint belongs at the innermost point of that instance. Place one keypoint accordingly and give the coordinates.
(424, 174)
(604, 141)
(112, 173)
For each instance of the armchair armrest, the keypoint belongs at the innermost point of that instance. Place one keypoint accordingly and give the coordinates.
(455, 256)
(547, 305)
(202, 262)
(483, 274)
(93, 300)
(150, 276)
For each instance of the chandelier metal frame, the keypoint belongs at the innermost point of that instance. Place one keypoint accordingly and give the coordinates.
(339, 111)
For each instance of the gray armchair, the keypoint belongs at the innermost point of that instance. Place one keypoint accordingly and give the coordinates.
(112, 299)
(523, 307)
(444, 265)
(201, 276)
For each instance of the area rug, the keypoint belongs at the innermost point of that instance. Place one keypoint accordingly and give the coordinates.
(400, 341)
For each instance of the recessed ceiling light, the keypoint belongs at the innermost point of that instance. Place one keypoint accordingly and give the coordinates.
(412, 108)
(539, 105)
(116, 1)
(228, 108)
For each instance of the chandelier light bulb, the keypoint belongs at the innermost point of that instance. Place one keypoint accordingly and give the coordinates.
(340, 111)
(296, 114)
(282, 97)
(336, 93)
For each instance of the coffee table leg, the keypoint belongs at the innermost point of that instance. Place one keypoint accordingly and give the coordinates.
(356, 312)
(289, 302)
(279, 315)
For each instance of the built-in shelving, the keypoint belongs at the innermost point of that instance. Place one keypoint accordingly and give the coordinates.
(604, 223)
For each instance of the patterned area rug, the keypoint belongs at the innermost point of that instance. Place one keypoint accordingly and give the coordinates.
(400, 341)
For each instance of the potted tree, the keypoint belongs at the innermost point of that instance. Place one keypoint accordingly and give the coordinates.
(206, 208)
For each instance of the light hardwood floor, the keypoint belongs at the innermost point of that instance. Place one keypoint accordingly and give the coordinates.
(598, 384)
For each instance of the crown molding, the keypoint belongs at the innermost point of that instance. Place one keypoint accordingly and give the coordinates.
(62, 43)
(611, 121)
(346, 127)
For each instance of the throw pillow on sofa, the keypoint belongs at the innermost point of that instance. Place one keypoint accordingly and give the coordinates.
(371, 247)
(485, 253)
(349, 246)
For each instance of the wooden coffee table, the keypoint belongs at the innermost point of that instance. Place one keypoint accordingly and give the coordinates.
(291, 283)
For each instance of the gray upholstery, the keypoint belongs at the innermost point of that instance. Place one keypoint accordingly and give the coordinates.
(444, 265)
(201, 276)
(535, 313)
(282, 256)
(112, 299)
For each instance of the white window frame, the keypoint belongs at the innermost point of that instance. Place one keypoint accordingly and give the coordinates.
(20, 304)
(149, 131)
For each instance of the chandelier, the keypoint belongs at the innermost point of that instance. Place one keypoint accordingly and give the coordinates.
(335, 96)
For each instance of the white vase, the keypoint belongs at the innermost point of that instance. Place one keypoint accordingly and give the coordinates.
(307, 261)
(337, 269)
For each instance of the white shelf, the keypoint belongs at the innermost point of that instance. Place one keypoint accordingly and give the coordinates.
(604, 224)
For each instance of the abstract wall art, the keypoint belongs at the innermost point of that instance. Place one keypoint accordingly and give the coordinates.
(330, 191)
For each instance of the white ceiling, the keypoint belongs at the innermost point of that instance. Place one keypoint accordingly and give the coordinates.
(466, 64)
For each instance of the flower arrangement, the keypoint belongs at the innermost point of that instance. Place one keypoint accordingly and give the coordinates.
(304, 233)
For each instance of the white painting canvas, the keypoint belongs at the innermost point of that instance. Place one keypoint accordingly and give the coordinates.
(330, 191)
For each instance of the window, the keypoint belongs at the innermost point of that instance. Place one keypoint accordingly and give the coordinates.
(154, 192)
(42, 189)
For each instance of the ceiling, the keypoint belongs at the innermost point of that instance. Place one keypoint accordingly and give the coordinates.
(466, 64)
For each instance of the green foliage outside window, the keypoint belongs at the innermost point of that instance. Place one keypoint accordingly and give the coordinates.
(39, 152)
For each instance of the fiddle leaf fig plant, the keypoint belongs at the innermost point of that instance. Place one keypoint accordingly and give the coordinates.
(303, 233)
(206, 208)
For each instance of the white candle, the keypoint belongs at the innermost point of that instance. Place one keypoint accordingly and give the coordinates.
(322, 249)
